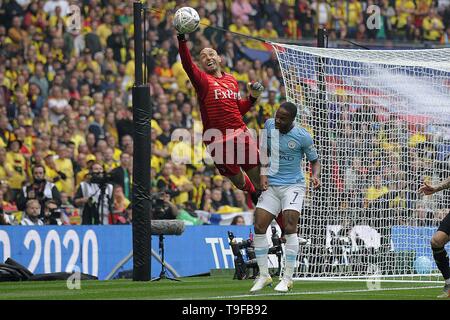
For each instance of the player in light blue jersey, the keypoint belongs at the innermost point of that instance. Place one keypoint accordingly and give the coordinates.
(283, 183)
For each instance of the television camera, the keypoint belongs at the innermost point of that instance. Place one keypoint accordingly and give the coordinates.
(243, 266)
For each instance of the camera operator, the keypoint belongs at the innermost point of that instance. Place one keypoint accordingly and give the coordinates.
(162, 207)
(52, 213)
(95, 197)
(4, 220)
(41, 190)
(164, 183)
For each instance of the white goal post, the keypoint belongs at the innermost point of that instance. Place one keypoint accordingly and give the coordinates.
(381, 122)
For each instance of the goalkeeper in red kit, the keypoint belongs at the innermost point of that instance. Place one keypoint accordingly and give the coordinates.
(221, 109)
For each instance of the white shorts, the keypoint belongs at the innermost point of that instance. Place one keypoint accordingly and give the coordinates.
(280, 198)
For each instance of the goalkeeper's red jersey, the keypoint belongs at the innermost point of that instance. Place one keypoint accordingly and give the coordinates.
(221, 105)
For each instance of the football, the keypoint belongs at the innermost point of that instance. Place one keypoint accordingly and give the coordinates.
(186, 20)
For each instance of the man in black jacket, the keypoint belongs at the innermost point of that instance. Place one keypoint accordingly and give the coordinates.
(41, 190)
(122, 174)
(117, 42)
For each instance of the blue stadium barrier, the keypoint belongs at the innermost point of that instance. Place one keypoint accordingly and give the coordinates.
(415, 239)
(97, 250)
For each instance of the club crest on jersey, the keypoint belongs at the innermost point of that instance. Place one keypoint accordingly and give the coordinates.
(291, 144)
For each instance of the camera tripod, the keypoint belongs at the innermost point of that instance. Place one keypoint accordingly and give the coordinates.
(163, 273)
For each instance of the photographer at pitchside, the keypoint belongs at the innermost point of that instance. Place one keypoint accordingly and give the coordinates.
(41, 190)
(95, 197)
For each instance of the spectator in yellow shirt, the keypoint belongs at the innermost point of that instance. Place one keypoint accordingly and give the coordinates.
(182, 182)
(267, 110)
(433, 26)
(5, 173)
(64, 164)
(268, 32)
(165, 73)
(57, 19)
(254, 32)
(109, 63)
(404, 9)
(339, 16)
(18, 35)
(204, 21)
(418, 137)
(85, 162)
(112, 142)
(86, 62)
(5, 134)
(239, 27)
(104, 30)
(240, 74)
(15, 163)
(376, 191)
(156, 162)
(291, 26)
(354, 17)
(159, 150)
(180, 75)
(12, 72)
(108, 161)
(198, 190)
(52, 174)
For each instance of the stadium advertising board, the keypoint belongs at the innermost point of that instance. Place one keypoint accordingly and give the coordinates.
(96, 250)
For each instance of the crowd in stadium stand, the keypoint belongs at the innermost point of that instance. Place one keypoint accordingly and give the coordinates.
(65, 96)
(379, 165)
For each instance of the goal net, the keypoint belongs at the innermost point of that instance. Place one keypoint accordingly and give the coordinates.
(381, 122)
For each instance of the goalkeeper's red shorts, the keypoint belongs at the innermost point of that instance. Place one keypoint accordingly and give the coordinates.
(233, 152)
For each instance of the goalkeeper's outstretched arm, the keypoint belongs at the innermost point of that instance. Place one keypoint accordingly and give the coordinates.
(197, 77)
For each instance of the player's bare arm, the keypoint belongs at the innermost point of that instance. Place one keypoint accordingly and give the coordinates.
(428, 189)
(264, 159)
(315, 168)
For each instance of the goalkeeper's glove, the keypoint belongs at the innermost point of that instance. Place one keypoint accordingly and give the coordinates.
(181, 36)
(255, 89)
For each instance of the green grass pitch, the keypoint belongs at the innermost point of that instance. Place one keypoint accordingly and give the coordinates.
(218, 287)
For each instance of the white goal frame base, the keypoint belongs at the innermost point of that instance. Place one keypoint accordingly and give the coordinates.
(406, 278)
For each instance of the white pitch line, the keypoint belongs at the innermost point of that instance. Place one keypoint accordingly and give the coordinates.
(312, 292)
